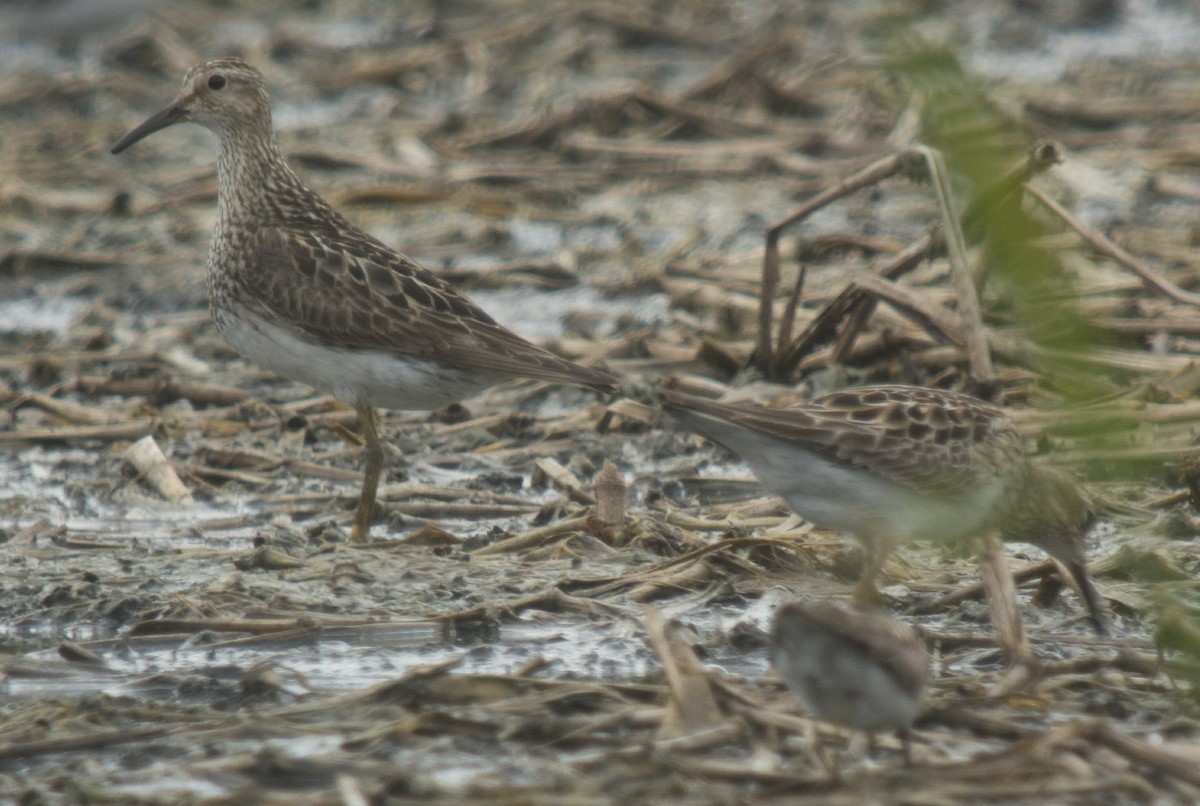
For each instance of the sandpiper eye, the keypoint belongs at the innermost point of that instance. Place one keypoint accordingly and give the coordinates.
(217, 82)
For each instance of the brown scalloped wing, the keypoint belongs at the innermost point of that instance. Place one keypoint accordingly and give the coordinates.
(354, 292)
(934, 441)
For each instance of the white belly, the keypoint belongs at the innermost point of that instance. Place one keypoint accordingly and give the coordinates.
(844, 499)
(354, 376)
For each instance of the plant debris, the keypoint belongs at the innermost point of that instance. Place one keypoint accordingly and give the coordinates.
(567, 600)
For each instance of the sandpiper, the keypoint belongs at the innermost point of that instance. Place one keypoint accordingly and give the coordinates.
(852, 665)
(295, 287)
(893, 464)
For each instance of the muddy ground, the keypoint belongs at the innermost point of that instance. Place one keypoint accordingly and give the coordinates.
(599, 178)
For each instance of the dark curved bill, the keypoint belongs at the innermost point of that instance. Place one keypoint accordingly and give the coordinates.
(1091, 596)
(171, 115)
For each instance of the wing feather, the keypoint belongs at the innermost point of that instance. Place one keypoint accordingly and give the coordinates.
(351, 291)
(933, 441)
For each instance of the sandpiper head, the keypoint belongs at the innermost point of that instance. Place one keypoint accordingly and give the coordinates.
(1049, 510)
(1053, 513)
(221, 95)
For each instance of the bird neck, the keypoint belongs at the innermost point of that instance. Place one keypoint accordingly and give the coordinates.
(250, 169)
(255, 184)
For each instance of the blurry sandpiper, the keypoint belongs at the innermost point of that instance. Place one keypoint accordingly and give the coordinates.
(851, 665)
(295, 287)
(893, 464)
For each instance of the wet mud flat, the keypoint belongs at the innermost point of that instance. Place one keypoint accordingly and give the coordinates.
(601, 180)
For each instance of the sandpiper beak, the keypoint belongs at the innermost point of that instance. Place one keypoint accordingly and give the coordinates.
(1091, 597)
(173, 114)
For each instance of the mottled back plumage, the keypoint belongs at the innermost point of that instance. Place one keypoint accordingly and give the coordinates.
(933, 441)
(295, 287)
(282, 253)
(890, 464)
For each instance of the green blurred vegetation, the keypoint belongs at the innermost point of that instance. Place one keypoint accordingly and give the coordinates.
(980, 145)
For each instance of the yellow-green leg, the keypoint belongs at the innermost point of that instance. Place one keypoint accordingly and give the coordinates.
(372, 468)
(876, 552)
